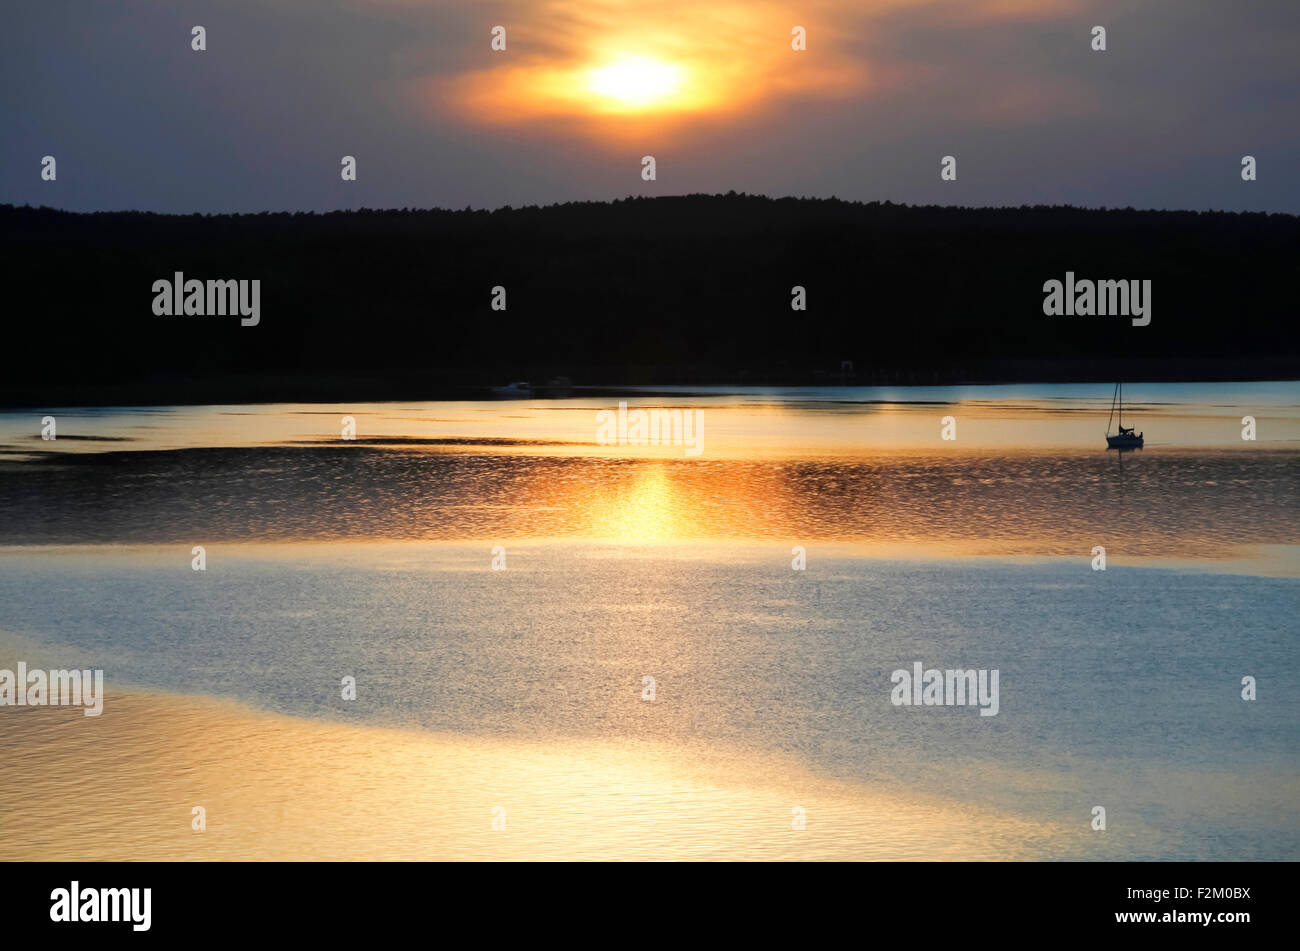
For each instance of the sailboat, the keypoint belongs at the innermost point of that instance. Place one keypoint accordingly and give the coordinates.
(1125, 438)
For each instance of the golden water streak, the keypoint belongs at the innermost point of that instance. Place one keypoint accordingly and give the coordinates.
(122, 786)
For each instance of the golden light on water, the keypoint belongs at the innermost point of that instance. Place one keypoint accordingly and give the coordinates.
(650, 509)
(274, 791)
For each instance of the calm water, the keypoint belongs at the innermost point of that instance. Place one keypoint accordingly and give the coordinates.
(372, 558)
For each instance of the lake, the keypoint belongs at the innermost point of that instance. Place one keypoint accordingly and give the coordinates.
(568, 649)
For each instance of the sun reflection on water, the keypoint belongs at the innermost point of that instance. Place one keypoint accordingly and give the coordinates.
(649, 508)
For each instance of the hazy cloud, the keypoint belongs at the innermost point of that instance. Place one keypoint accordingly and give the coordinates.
(260, 120)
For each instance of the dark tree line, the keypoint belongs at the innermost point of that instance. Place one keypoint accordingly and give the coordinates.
(694, 289)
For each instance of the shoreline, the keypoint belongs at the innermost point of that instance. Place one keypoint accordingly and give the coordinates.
(428, 386)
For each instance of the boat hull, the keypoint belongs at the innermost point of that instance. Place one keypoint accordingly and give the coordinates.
(1123, 442)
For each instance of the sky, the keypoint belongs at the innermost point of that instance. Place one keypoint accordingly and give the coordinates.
(435, 117)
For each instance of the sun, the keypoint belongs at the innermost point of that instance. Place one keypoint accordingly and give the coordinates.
(636, 83)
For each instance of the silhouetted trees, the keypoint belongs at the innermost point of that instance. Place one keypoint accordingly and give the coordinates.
(372, 304)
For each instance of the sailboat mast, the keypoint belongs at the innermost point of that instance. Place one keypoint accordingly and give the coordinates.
(1119, 389)
(1114, 396)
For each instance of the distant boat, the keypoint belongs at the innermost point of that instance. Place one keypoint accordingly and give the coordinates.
(514, 389)
(1125, 438)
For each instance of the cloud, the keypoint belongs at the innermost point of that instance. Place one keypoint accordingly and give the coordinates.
(412, 88)
(730, 56)
(734, 58)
